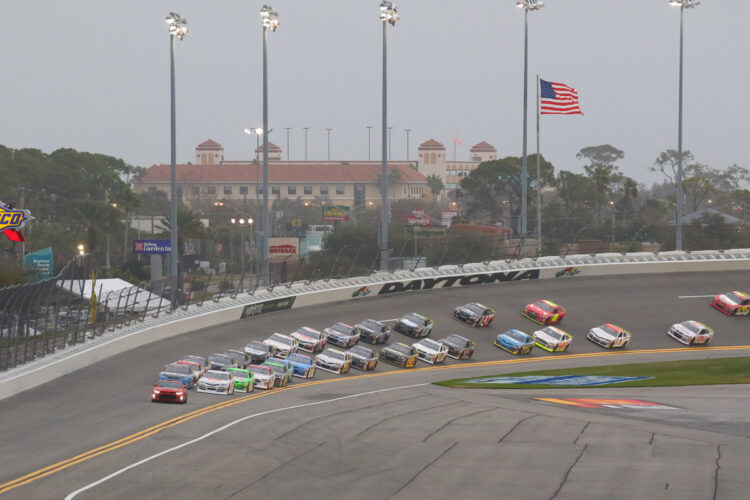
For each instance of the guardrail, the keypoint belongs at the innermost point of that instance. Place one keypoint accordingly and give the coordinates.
(153, 325)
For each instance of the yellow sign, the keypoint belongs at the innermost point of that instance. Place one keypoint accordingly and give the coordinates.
(11, 218)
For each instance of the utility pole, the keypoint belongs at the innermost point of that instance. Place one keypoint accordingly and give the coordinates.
(306, 129)
(287, 142)
(407, 143)
(369, 142)
(329, 143)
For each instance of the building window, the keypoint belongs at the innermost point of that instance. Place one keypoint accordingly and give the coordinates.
(323, 189)
(259, 189)
(340, 189)
(227, 189)
(211, 190)
(196, 190)
(243, 189)
(307, 189)
(275, 190)
(432, 158)
(291, 190)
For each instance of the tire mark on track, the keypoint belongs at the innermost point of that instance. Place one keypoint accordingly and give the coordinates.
(716, 472)
(458, 418)
(455, 402)
(517, 424)
(565, 478)
(407, 483)
(580, 434)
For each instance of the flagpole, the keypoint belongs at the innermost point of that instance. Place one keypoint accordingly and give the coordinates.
(538, 177)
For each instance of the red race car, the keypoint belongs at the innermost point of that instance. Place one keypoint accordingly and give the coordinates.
(732, 303)
(544, 312)
(169, 391)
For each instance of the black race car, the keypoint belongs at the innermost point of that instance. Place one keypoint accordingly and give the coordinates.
(474, 314)
(258, 352)
(414, 325)
(399, 354)
(373, 331)
(459, 347)
(363, 358)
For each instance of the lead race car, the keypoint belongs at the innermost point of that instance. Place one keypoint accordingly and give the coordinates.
(609, 336)
(544, 312)
(691, 332)
(172, 391)
(474, 314)
(552, 339)
(732, 303)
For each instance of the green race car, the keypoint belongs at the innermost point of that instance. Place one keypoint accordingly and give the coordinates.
(283, 368)
(243, 379)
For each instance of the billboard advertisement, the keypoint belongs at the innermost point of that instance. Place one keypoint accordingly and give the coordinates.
(152, 246)
(335, 213)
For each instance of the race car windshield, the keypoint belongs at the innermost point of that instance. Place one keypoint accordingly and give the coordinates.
(735, 298)
(609, 330)
(456, 339)
(238, 375)
(431, 344)
(544, 306)
(475, 308)
(309, 332)
(335, 355)
(373, 325)
(175, 368)
(403, 349)
(218, 375)
(281, 340)
(693, 328)
(167, 383)
(361, 351)
(220, 358)
(516, 336)
(553, 333)
(417, 320)
(338, 327)
(277, 369)
(260, 370)
(299, 358)
(257, 346)
(195, 359)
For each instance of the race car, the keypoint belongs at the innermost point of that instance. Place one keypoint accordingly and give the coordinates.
(552, 339)
(691, 332)
(310, 339)
(171, 391)
(609, 336)
(430, 351)
(303, 366)
(221, 361)
(196, 367)
(732, 303)
(363, 358)
(373, 331)
(243, 358)
(264, 376)
(474, 314)
(203, 362)
(283, 344)
(216, 382)
(283, 370)
(334, 361)
(515, 342)
(181, 373)
(399, 354)
(414, 325)
(342, 335)
(544, 312)
(459, 347)
(259, 352)
(243, 379)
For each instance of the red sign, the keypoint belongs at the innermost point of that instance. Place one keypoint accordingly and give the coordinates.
(418, 218)
(282, 249)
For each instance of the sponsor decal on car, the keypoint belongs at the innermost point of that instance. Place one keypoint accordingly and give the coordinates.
(268, 306)
(450, 281)
(561, 380)
(633, 404)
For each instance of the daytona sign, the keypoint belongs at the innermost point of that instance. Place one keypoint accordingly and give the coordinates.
(450, 281)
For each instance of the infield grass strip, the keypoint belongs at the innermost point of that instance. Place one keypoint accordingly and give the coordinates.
(662, 374)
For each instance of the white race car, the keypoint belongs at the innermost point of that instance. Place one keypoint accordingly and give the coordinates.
(264, 377)
(333, 360)
(216, 382)
(310, 339)
(430, 351)
(284, 344)
(691, 332)
(552, 339)
(609, 336)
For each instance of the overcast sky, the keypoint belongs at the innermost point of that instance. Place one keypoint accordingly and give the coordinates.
(94, 76)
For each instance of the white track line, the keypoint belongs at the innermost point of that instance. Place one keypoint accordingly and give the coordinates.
(226, 426)
(695, 296)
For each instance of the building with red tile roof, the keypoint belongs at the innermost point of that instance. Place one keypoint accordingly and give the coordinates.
(433, 160)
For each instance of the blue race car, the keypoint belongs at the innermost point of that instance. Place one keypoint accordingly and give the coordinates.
(303, 366)
(182, 373)
(515, 342)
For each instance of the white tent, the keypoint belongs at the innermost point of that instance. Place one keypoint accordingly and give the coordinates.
(115, 293)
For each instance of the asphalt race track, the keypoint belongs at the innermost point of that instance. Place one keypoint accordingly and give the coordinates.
(393, 435)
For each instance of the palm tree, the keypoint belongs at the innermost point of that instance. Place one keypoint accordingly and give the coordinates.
(189, 226)
(435, 183)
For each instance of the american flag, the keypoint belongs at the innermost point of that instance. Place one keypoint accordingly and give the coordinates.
(558, 99)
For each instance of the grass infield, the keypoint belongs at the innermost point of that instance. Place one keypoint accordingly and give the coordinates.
(666, 373)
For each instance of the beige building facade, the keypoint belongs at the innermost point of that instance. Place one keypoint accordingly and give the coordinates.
(433, 160)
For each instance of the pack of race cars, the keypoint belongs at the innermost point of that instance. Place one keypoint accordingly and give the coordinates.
(274, 361)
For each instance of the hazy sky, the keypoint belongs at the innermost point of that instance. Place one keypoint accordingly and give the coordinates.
(94, 76)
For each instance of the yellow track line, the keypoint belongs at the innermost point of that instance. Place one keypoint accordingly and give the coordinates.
(167, 424)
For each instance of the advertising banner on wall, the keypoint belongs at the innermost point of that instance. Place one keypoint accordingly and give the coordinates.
(40, 262)
(152, 246)
(335, 213)
(283, 249)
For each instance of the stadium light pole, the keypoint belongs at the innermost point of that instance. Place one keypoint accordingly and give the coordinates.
(526, 5)
(388, 15)
(328, 132)
(369, 141)
(177, 31)
(682, 4)
(270, 20)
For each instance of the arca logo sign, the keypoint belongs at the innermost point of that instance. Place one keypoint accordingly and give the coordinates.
(12, 218)
(449, 281)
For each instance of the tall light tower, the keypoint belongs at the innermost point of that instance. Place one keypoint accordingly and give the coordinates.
(177, 31)
(526, 5)
(682, 4)
(270, 22)
(369, 141)
(328, 132)
(287, 142)
(306, 129)
(408, 131)
(388, 15)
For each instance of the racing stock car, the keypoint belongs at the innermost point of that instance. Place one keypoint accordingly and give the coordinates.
(334, 361)
(221, 361)
(373, 331)
(303, 366)
(544, 312)
(515, 342)
(259, 352)
(171, 391)
(363, 358)
(399, 354)
(474, 314)
(430, 351)
(200, 360)
(283, 369)
(216, 382)
(691, 332)
(459, 347)
(283, 344)
(181, 373)
(609, 336)
(342, 335)
(310, 339)
(414, 325)
(732, 303)
(552, 339)
(264, 376)
(243, 379)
